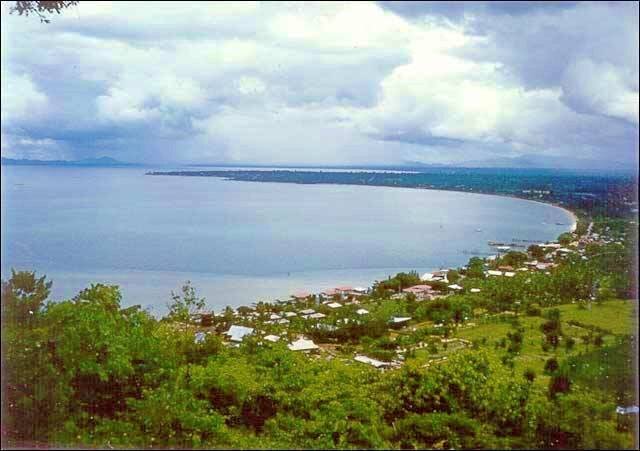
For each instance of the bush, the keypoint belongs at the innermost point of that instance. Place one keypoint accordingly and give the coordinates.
(533, 310)
(529, 374)
(598, 341)
(569, 343)
(559, 383)
(551, 366)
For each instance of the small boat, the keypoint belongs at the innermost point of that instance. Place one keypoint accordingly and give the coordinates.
(559, 223)
(478, 230)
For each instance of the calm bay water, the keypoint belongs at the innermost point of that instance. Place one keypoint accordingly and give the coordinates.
(240, 242)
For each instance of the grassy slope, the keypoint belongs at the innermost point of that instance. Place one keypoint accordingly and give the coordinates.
(616, 315)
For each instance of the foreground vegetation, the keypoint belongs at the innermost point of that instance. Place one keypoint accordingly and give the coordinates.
(538, 360)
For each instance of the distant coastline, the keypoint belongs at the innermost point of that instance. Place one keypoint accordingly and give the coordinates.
(87, 162)
(252, 176)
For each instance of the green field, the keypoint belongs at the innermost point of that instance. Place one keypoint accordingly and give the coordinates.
(617, 316)
(620, 317)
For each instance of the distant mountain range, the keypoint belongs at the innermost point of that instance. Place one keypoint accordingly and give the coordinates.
(93, 162)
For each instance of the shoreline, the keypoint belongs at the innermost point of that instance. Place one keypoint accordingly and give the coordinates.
(572, 214)
(279, 283)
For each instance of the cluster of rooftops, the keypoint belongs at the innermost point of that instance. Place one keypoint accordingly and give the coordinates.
(336, 298)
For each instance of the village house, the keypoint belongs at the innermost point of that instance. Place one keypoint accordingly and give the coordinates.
(301, 295)
(237, 333)
(373, 362)
(304, 345)
(359, 291)
(421, 292)
(435, 276)
(399, 321)
(204, 317)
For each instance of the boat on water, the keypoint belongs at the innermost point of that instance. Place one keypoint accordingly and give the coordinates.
(478, 230)
(560, 223)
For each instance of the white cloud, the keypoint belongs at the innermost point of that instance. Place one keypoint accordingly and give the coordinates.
(346, 26)
(21, 98)
(250, 86)
(322, 82)
(601, 88)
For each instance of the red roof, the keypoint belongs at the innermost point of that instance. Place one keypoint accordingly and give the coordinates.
(418, 289)
(344, 289)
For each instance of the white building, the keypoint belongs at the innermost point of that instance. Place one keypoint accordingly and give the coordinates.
(303, 345)
(237, 333)
(373, 362)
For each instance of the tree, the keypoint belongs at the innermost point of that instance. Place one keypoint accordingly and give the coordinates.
(530, 374)
(22, 296)
(598, 340)
(475, 268)
(513, 258)
(565, 238)
(536, 252)
(107, 296)
(186, 305)
(551, 365)
(41, 8)
(515, 340)
(559, 383)
(569, 343)
(453, 276)
(552, 328)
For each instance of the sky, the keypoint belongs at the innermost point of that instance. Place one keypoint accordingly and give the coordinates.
(542, 84)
